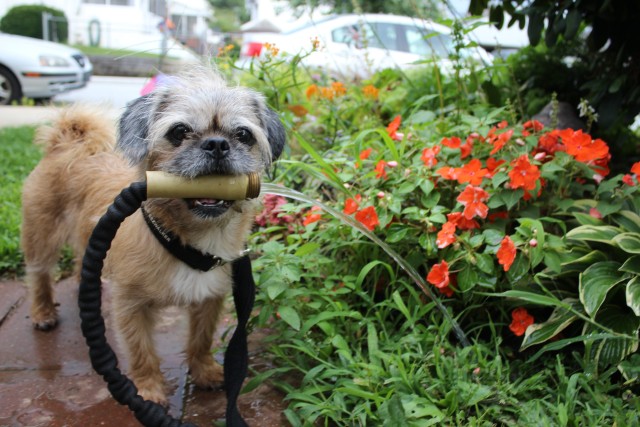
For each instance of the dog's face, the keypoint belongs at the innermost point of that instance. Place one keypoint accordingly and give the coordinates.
(196, 125)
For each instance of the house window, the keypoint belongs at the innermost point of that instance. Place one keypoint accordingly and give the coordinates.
(158, 7)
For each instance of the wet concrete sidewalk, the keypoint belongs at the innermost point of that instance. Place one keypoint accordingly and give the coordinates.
(46, 378)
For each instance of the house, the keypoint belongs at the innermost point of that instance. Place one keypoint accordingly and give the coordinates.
(141, 25)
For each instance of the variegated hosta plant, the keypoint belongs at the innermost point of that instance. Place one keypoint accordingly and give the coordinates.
(603, 258)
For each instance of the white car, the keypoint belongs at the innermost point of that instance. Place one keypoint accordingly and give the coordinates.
(39, 69)
(357, 45)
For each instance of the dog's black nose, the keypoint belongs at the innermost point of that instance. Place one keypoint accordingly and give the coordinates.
(216, 147)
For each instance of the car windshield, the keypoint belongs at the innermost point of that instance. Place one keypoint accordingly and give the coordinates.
(397, 37)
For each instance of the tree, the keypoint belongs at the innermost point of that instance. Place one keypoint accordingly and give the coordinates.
(229, 14)
(606, 47)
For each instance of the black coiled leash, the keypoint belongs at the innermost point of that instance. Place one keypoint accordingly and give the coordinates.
(103, 358)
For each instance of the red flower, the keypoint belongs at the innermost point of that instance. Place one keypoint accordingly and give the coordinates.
(364, 154)
(368, 217)
(380, 172)
(582, 147)
(465, 149)
(392, 128)
(635, 169)
(498, 215)
(628, 179)
(503, 124)
(521, 320)
(493, 164)
(533, 125)
(472, 173)
(446, 236)
(453, 142)
(595, 213)
(524, 174)
(429, 156)
(351, 205)
(312, 217)
(439, 275)
(498, 141)
(506, 253)
(448, 172)
(461, 222)
(473, 198)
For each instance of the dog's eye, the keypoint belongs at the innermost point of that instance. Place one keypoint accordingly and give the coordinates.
(244, 135)
(177, 134)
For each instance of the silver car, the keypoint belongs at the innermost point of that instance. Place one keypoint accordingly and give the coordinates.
(39, 69)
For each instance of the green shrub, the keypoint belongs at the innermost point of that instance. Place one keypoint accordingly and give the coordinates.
(27, 21)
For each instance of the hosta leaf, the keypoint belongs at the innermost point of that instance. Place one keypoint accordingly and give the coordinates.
(580, 264)
(633, 295)
(630, 368)
(586, 219)
(632, 265)
(530, 297)
(594, 233)
(613, 350)
(595, 283)
(628, 220)
(560, 318)
(628, 242)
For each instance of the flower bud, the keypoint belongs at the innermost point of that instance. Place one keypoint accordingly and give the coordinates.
(533, 243)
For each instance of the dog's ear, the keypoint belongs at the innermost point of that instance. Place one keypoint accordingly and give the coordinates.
(134, 129)
(276, 134)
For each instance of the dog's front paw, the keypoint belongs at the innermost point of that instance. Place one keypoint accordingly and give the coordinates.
(44, 319)
(153, 391)
(207, 375)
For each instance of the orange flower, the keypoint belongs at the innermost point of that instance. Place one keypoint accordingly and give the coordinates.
(506, 253)
(498, 141)
(448, 172)
(453, 142)
(473, 198)
(327, 93)
(393, 127)
(380, 172)
(582, 147)
(298, 110)
(465, 149)
(461, 222)
(370, 91)
(524, 174)
(628, 179)
(446, 236)
(635, 169)
(533, 125)
(472, 173)
(439, 275)
(503, 124)
(312, 90)
(429, 156)
(493, 164)
(351, 205)
(311, 216)
(338, 88)
(364, 154)
(521, 320)
(368, 217)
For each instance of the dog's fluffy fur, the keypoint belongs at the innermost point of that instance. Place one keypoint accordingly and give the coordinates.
(194, 125)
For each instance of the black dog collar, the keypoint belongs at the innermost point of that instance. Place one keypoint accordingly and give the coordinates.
(191, 256)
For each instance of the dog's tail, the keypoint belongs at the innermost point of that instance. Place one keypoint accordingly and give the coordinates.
(78, 131)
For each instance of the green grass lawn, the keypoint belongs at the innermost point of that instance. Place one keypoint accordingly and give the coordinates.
(102, 51)
(18, 156)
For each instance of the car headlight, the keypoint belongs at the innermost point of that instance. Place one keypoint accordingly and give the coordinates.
(53, 61)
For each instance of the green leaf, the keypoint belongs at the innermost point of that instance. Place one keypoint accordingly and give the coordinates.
(630, 368)
(586, 219)
(580, 264)
(262, 377)
(530, 297)
(519, 269)
(594, 233)
(560, 318)
(628, 242)
(467, 278)
(485, 263)
(628, 220)
(632, 265)
(307, 248)
(613, 350)
(290, 316)
(573, 20)
(633, 295)
(596, 281)
(396, 412)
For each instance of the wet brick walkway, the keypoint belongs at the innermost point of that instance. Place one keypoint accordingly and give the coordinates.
(46, 378)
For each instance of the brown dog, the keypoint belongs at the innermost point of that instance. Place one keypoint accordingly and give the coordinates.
(194, 125)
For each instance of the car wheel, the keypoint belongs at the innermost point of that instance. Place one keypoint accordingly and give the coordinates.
(9, 87)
